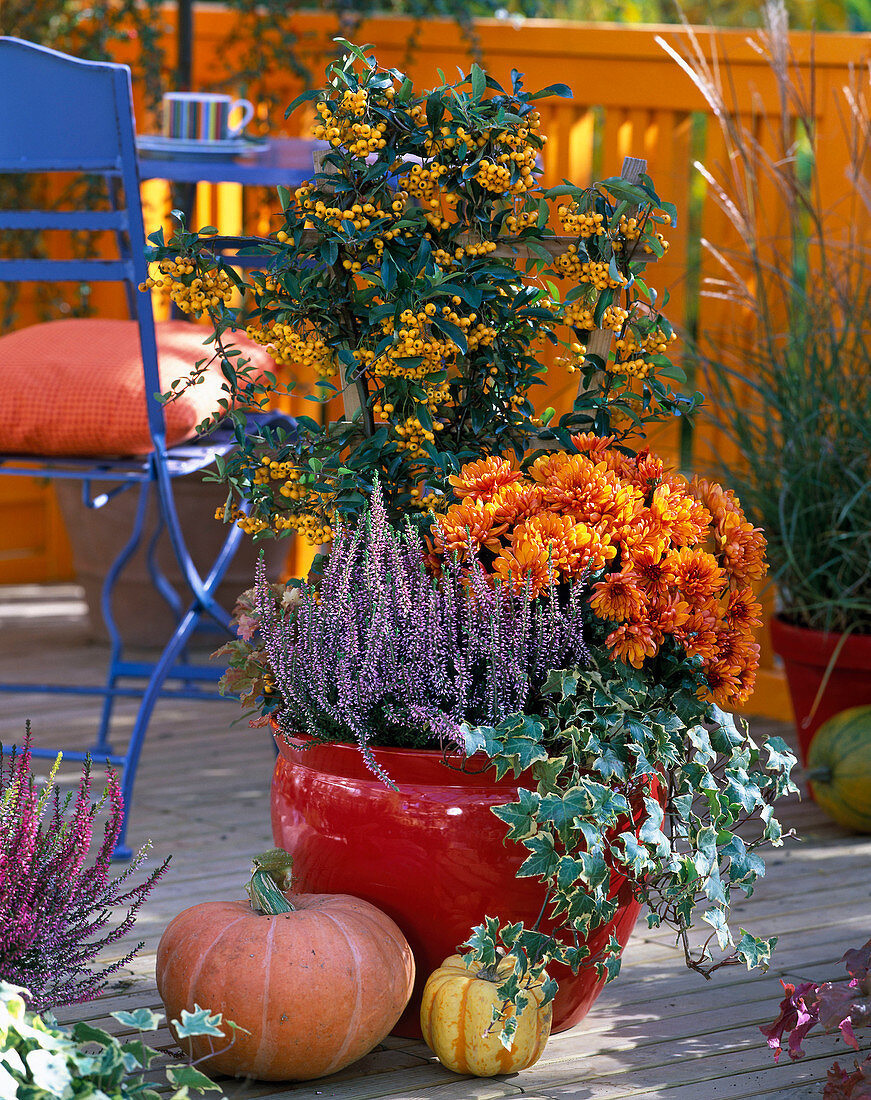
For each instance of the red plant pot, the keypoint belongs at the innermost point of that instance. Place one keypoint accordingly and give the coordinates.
(431, 854)
(806, 655)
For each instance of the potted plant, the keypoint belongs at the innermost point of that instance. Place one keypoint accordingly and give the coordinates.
(518, 612)
(791, 378)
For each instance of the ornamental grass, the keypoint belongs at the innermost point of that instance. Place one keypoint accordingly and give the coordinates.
(789, 368)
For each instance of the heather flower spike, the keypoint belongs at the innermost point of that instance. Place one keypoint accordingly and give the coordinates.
(383, 653)
(55, 903)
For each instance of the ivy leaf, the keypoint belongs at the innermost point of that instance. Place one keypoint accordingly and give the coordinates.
(519, 816)
(187, 1077)
(755, 952)
(651, 833)
(562, 810)
(716, 918)
(198, 1022)
(143, 1019)
(543, 862)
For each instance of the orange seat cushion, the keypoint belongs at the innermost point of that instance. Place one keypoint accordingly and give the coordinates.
(76, 387)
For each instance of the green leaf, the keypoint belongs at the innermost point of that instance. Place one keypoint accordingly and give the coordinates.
(312, 93)
(198, 1022)
(479, 83)
(755, 952)
(188, 1077)
(85, 1033)
(143, 1019)
(562, 90)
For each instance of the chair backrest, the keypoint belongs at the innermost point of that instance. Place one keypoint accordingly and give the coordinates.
(62, 114)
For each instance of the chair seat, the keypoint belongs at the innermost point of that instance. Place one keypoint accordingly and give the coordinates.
(76, 387)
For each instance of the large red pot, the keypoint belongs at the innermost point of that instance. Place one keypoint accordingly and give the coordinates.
(431, 854)
(806, 656)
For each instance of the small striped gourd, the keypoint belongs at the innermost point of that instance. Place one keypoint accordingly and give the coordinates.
(839, 767)
(457, 1021)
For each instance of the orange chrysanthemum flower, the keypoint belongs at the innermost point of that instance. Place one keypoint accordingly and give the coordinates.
(481, 479)
(589, 443)
(718, 501)
(632, 642)
(593, 494)
(618, 598)
(545, 466)
(526, 568)
(645, 471)
(656, 572)
(698, 635)
(697, 575)
(747, 680)
(735, 649)
(742, 547)
(643, 534)
(516, 502)
(668, 616)
(744, 611)
(680, 516)
(723, 684)
(467, 527)
(573, 547)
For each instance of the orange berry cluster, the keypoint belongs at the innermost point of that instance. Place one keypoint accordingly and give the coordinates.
(581, 222)
(526, 219)
(191, 290)
(344, 128)
(573, 265)
(291, 348)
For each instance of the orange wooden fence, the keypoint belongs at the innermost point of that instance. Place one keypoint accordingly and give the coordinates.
(630, 99)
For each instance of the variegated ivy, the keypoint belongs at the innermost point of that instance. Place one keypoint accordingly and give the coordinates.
(630, 772)
(42, 1061)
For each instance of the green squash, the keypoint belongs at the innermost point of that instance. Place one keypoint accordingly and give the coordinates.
(839, 767)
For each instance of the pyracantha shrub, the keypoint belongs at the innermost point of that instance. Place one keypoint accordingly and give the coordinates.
(55, 902)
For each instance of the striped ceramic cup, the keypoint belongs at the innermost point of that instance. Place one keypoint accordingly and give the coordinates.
(203, 116)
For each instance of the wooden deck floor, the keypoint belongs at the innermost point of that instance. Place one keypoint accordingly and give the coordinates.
(658, 1031)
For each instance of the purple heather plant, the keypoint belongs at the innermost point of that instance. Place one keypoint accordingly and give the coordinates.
(55, 903)
(381, 652)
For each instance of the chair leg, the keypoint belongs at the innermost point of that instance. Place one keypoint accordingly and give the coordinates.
(102, 745)
(203, 603)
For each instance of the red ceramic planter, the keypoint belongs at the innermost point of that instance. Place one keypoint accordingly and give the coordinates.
(806, 654)
(431, 854)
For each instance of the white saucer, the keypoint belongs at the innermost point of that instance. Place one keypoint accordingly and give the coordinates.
(158, 145)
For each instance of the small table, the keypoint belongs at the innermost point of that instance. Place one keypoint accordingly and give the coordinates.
(285, 161)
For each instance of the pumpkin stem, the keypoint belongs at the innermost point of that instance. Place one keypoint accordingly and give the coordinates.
(271, 876)
(819, 775)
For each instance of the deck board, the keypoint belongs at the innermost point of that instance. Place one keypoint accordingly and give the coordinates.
(657, 1032)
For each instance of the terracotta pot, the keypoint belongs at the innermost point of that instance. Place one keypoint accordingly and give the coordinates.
(806, 655)
(431, 855)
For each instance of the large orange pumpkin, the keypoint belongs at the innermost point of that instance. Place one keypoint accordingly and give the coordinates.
(316, 986)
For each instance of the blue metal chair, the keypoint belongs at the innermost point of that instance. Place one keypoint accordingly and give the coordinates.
(62, 114)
